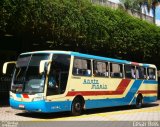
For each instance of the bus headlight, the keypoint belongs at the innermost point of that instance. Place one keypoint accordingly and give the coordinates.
(38, 98)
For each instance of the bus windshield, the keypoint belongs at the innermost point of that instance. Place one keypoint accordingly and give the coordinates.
(26, 78)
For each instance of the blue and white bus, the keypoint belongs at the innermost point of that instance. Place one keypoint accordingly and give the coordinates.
(56, 81)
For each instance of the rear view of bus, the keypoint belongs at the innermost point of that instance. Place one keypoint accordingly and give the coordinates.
(32, 71)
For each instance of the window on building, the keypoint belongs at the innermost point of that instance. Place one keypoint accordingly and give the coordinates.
(116, 70)
(82, 67)
(100, 68)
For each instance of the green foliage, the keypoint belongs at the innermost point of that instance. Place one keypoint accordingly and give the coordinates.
(128, 4)
(80, 26)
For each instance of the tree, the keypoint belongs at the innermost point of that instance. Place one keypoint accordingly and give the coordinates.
(79, 25)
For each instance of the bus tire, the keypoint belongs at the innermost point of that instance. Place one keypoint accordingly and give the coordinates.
(139, 101)
(77, 107)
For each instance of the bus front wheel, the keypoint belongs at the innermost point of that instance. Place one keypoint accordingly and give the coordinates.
(77, 107)
(139, 101)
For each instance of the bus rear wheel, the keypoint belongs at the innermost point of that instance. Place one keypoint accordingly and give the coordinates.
(77, 107)
(139, 101)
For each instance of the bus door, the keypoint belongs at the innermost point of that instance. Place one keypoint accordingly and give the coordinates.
(58, 76)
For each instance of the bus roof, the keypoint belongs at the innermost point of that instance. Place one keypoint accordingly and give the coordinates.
(91, 57)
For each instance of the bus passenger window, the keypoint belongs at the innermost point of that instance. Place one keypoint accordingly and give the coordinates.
(82, 67)
(76, 66)
(100, 69)
(116, 70)
(129, 71)
(140, 73)
(151, 73)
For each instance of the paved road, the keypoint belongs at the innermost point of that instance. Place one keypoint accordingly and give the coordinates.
(149, 112)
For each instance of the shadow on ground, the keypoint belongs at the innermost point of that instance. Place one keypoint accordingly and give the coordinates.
(87, 112)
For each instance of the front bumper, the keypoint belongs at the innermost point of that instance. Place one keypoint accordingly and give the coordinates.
(41, 106)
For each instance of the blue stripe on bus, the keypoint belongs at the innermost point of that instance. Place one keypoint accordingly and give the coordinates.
(115, 102)
(18, 95)
(149, 99)
(86, 56)
(99, 57)
(146, 99)
(146, 65)
(66, 105)
(105, 58)
(133, 90)
(110, 103)
(41, 106)
(47, 52)
(150, 82)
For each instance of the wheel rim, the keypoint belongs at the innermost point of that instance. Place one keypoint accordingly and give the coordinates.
(77, 106)
(139, 102)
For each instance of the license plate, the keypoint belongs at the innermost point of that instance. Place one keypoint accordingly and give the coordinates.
(21, 106)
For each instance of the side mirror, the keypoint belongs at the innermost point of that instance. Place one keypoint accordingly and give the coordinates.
(5, 66)
(42, 65)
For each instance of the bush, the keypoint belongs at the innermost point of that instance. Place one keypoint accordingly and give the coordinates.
(81, 26)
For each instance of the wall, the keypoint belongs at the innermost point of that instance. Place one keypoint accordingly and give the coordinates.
(131, 12)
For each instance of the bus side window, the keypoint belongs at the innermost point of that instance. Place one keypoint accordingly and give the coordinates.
(77, 66)
(116, 70)
(130, 71)
(100, 69)
(81, 67)
(151, 74)
(140, 72)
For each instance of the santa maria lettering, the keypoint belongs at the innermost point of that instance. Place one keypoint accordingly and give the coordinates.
(95, 84)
